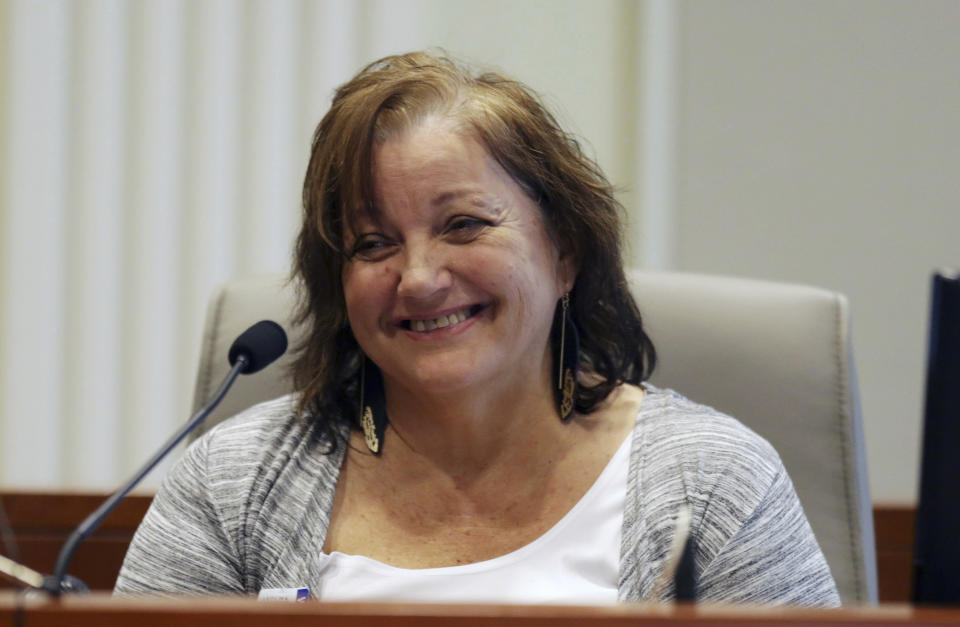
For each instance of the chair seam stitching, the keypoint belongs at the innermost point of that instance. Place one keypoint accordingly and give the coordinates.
(212, 341)
(846, 428)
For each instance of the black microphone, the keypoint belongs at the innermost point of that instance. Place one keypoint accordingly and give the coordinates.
(261, 345)
(252, 351)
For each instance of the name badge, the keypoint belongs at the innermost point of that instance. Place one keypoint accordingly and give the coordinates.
(284, 594)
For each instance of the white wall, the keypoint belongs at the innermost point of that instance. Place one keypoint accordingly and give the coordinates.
(151, 150)
(819, 142)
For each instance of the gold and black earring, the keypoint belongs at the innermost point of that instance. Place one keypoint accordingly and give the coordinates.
(373, 406)
(565, 342)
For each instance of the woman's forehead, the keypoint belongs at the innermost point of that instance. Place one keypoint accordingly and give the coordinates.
(444, 156)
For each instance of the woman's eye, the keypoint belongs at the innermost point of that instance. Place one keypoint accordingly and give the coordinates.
(466, 227)
(370, 247)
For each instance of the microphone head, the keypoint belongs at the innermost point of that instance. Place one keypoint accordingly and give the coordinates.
(261, 344)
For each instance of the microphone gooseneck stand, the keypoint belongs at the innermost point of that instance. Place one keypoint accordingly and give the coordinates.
(252, 351)
(60, 581)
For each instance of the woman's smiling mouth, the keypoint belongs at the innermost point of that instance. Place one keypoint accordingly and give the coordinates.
(448, 320)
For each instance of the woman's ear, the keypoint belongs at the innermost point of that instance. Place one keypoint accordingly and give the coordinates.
(568, 266)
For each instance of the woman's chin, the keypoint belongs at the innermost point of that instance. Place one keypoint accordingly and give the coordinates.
(447, 376)
(443, 383)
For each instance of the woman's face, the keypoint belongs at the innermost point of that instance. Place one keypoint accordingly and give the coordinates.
(453, 283)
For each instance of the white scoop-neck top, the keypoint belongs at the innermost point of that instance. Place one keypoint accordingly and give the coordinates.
(575, 562)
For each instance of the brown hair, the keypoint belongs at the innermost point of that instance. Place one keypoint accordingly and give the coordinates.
(579, 210)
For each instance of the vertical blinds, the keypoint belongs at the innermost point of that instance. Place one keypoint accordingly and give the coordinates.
(151, 151)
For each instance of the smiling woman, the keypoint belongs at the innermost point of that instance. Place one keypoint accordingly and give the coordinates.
(470, 422)
(453, 234)
(393, 123)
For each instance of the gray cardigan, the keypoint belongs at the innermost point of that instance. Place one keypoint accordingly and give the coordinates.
(247, 507)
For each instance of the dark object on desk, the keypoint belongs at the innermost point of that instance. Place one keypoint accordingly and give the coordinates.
(685, 579)
(253, 350)
(937, 556)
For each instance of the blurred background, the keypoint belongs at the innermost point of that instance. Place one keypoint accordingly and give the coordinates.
(150, 150)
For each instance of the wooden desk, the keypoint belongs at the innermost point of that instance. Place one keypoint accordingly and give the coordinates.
(103, 611)
(42, 521)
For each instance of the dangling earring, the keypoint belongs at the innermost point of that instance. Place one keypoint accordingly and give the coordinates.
(373, 406)
(566, 359)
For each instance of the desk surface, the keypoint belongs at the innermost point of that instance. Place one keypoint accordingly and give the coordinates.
(103, 611)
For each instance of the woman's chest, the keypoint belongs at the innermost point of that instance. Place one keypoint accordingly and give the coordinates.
(414, 528)
(432, 524)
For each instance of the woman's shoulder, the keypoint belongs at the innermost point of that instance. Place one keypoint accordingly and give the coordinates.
(233, 503)
(672, 429)
(256, 468)
(753, 541)
(264, 445)
(261, 427)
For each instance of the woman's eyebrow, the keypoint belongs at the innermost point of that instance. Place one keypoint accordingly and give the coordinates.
(446, 197)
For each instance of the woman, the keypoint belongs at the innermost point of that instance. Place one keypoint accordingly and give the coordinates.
(470, 422)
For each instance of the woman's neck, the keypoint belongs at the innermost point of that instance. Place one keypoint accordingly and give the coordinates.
(468, 434)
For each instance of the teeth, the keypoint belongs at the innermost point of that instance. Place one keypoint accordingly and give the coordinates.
(439, 323)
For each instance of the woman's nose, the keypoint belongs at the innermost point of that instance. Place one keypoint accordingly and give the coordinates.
(424, 275)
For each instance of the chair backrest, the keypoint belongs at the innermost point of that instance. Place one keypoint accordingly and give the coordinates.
(776, 356)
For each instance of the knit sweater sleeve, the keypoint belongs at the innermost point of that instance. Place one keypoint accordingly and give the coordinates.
(753, 542)
(186, 544)
(247, 505)
(772, 557)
